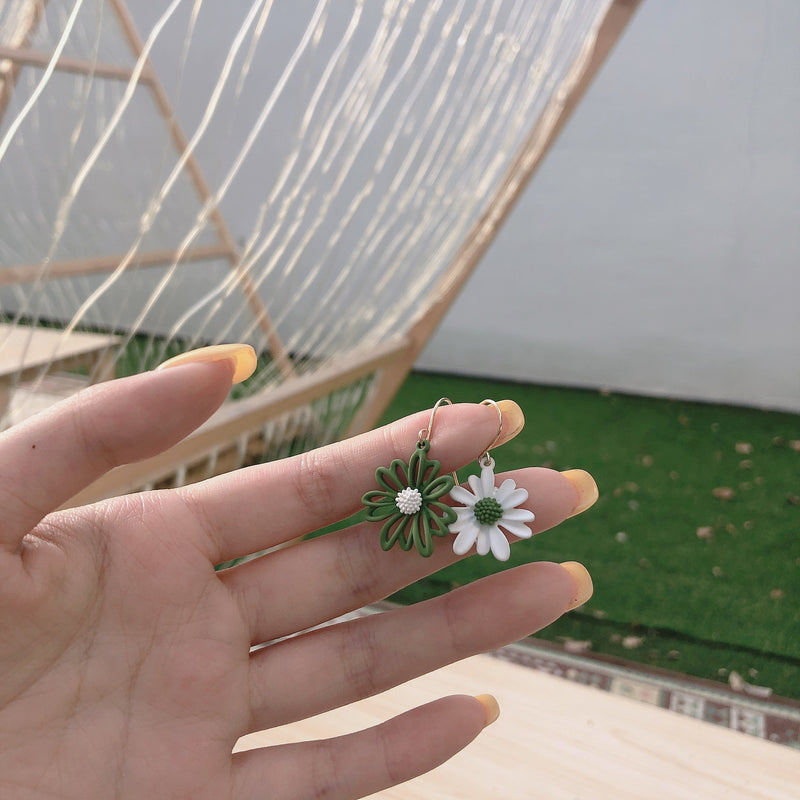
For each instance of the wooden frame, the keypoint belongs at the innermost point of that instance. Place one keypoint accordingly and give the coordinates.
(387, 364)
(517, 176)
(143, 74)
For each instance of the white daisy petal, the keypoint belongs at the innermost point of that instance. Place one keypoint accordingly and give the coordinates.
(500, 546)
(504, 490)
(462, 495)
(516, 528)
(475, 485)
(503, 501)
(487, 481)
(514, 499)
(518, 515)
(465, 539)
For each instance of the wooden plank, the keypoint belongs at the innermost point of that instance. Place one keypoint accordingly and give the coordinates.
(559, 740)
(68, 268)
(24, 56)
(9, 77)
(25, 348)
(26, 352)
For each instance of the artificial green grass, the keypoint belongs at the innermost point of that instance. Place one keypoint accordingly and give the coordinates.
(693, 545)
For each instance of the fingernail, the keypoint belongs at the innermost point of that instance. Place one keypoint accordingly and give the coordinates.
(242, 355)
(513, 421)
(490, 708)
(583, 583)
(586, 488)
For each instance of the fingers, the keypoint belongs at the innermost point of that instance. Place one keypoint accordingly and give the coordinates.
(332, 666)
(362, 763)
(49, 458)
(350, 570)
(311, 490)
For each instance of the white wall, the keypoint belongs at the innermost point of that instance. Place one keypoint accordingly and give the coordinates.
(657, 250)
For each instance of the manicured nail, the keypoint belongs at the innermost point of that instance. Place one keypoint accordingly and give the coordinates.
(242, 355)
(583, 583)
(586, 487)
(513, 420)
(490, 708)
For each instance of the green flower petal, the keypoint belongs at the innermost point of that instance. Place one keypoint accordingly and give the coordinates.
(423, 538)
(438, 487)
(377, 497)
(380, 512)
(421, 470)
(412, 534)
(446, 513)
(393, 478)
(392, 530)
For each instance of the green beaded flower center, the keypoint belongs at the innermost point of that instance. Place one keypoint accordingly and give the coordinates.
(488, 511)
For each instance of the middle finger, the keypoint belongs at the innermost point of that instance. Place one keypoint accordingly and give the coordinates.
(298, 587)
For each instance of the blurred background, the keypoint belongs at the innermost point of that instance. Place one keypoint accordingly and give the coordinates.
(657, 251)
(639, 301)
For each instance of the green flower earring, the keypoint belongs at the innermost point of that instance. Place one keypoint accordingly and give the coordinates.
(408, 500)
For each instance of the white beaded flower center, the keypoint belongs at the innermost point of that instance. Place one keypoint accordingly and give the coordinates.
(409, 501)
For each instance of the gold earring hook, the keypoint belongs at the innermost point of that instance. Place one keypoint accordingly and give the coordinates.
(486, 460)
(426, 433)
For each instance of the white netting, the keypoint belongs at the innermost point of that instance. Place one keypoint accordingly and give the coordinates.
(243, 169)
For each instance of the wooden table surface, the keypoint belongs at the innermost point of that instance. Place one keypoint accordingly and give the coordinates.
(24, 347)
(558, 740)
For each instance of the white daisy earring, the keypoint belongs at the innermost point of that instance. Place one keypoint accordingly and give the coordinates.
(489, 511)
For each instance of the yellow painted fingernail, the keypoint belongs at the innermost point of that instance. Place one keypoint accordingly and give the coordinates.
(586, 487)
(242, 355)
(513, 421)
(491, 708)
(583, 583)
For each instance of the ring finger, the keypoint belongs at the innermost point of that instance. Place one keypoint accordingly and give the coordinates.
(330, 667)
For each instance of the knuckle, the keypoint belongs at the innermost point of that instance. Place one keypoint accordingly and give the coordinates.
(324, 771)
(358, 568)
(390, 756)
(314, 483)
(361, 656)
(88, 435)
(453, 618)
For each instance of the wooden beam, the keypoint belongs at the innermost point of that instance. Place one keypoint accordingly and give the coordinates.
(276, 346)
(246, 416)
(69, 268)
(8, 81)
(23, 56)
(516, 178)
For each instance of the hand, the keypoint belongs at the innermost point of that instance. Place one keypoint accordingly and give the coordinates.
(126, 659)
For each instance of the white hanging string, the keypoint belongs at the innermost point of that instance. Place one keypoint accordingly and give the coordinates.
(397, 121)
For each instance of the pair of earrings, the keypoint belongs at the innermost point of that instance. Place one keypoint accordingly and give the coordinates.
(410, 502)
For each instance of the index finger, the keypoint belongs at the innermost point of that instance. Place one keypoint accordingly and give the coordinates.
(47, 459)
(266, 505)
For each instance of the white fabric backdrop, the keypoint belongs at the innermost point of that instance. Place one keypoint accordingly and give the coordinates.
(657, 250)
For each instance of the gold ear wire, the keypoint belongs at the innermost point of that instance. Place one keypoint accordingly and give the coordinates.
(486, 459)
(426, 433)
